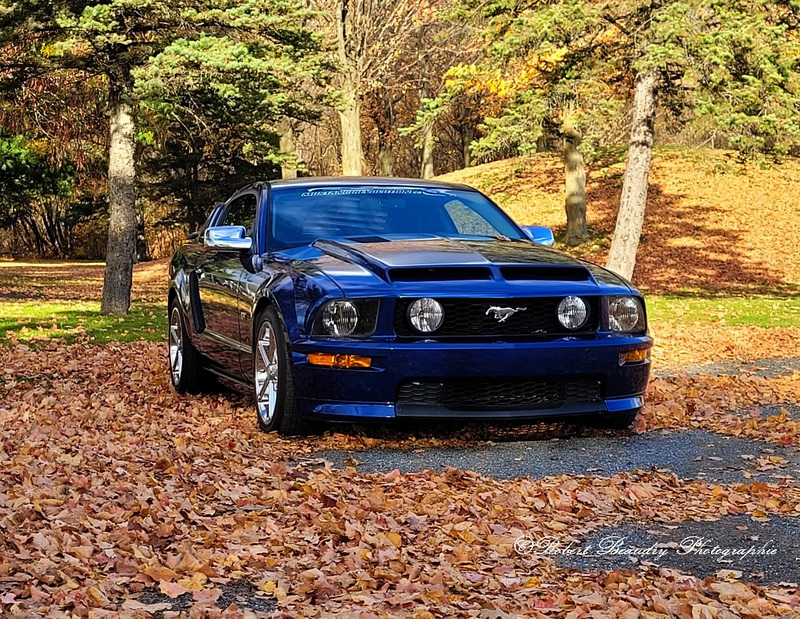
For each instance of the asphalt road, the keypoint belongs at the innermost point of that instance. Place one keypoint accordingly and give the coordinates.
(689, 454)
(762, 552)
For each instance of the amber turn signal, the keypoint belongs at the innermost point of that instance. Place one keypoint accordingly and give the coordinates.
(339, 361)
(634, 356)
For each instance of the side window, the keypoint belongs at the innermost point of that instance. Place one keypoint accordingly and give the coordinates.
(241, 212)
(467, 221)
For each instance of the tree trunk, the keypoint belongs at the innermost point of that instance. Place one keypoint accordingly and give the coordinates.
(286, 133)
(385, 159)
(575, 186)
(427, 151)
(467, 135)
(622, 256)
(350, 111)
(122, 223)
(35, 241)
(350, 118)
(142, 249)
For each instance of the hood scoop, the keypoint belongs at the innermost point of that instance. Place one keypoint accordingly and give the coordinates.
(545, 273)
(452, 260)
(439, 274)
(368, 239)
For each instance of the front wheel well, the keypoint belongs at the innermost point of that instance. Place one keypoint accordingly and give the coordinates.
(263, 303)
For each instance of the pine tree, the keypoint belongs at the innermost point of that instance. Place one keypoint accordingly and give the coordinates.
(215, 113)
(113, 39)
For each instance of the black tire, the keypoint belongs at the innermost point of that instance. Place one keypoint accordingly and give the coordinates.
(614, 421)
(286, 418)
(188, 378)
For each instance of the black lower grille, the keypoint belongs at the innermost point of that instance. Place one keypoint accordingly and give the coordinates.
(507, 394)
(473, 317)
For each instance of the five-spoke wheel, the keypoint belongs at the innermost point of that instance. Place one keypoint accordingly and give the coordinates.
(185, 365)
(272, 377)
(266, 373)
(175, 345)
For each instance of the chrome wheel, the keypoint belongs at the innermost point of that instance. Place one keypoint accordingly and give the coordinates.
(175, 345)
(266, 373)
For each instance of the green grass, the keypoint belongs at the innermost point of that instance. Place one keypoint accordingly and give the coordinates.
(81, 321)
(73, 321)
(760, 311)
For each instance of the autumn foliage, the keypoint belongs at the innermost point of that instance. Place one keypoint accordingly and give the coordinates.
(112, 486)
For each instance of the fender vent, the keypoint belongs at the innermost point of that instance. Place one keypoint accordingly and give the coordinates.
(195, 307)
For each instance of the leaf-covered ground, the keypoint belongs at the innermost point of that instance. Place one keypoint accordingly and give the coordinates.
(119, 498)
(112, 486)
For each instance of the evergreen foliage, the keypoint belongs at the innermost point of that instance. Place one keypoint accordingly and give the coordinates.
(731, 67)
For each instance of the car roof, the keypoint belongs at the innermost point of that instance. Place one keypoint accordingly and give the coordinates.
(357, 181)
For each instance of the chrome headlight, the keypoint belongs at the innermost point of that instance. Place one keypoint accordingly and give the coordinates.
(340, 318)
(346, 317)
(572, 312)
(625, 314)
(426, 315)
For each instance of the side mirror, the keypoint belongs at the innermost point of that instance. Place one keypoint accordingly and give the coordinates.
(540, 235)
(227, 237)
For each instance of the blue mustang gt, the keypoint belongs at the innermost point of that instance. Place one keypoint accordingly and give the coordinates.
(379, 298)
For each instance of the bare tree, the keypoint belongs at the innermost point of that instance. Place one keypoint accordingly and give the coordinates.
(377, 43)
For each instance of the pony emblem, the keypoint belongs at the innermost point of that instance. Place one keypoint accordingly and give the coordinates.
(501, 314)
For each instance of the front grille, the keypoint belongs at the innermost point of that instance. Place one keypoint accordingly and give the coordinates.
(505, 394)
(469, 318)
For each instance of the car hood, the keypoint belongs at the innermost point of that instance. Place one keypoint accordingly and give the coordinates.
(485, 267)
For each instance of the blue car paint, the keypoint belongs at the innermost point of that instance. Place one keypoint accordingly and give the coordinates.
(392, 363)
(300, 280)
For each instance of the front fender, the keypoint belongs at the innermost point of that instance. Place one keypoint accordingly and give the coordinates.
(295, 295)
(295, 287)
(298, 295)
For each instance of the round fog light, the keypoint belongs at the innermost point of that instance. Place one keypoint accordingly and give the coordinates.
(426, 315)
(572, 312)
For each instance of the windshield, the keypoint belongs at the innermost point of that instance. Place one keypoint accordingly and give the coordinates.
(301, 215)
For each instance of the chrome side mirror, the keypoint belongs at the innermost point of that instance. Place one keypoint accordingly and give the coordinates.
(540, 235)
(227, 237)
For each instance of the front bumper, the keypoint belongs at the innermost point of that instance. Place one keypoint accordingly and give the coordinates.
(372, 393)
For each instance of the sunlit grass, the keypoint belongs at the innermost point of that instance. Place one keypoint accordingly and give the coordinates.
(73, 321)
(759, 311)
